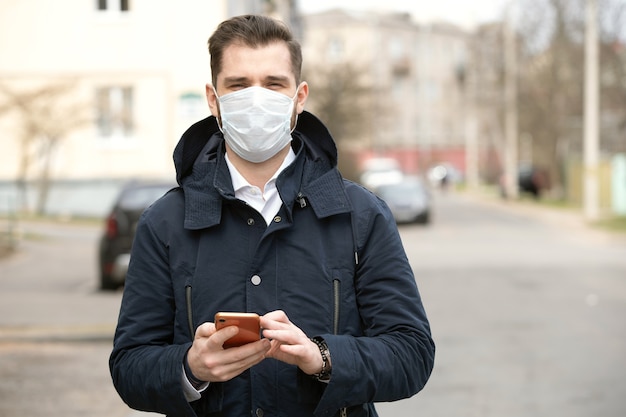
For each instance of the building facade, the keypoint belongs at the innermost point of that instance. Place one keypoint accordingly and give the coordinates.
(99, 90)
(416, 105)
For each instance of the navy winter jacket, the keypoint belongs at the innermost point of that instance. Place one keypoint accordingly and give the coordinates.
(332, 259)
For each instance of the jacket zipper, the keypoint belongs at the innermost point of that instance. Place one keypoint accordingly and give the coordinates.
(189, 311)
(337, 304)
(343, 412)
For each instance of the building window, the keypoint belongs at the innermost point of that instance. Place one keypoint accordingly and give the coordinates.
(335, 50)
(113, 5)
(396, 49)
(114, 107)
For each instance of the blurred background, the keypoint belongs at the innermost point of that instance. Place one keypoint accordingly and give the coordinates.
(506, 120)
(492, 90)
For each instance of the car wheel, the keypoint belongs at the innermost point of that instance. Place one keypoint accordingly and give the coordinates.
(107, 283)
(424, 218)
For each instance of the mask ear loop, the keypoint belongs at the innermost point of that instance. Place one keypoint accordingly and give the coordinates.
(219, 111)
(295, 110)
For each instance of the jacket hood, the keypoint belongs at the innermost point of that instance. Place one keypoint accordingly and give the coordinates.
(201, 135)
(314, 176)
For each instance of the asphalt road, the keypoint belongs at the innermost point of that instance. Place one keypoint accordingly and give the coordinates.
(527, 309)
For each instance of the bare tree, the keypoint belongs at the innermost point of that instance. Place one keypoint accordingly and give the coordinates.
(551, 77)
(613, 73)
(551, 82)
(344, 100)
(341, 98)
(45, 117)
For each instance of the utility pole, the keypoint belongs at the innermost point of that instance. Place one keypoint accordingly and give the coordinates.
(467, 78)
(510, 106)
(591, 105)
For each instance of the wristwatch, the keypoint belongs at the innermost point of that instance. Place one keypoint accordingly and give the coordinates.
(324, 374)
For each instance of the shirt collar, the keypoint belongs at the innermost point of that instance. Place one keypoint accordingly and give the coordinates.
(240, 182)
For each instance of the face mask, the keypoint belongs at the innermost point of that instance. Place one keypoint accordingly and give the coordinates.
(256, 122)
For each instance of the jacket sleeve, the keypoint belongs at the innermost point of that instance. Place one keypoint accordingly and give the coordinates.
(145, 366)
(395, 357)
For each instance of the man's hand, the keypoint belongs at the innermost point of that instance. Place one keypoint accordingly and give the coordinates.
(290, 344)
(209, 361)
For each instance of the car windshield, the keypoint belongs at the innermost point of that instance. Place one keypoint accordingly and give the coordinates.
(400, 190)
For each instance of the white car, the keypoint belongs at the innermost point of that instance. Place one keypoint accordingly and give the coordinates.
(379, 171)
(409, 200)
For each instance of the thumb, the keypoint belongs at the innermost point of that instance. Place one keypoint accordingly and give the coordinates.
(205, 330)
(222, 335)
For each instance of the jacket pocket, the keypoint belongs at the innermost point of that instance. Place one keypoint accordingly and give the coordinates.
(336, 304)
(345, 318)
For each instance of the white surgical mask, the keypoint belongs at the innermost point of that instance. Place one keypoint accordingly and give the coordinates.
(256, 122)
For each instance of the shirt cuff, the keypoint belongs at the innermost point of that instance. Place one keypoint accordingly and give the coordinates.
(191, 393)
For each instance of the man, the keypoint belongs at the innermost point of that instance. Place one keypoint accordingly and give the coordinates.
(263, 222)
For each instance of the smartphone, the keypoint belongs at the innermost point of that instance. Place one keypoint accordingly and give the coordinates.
(248, 323)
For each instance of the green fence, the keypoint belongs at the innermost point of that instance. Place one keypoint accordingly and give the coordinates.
(611, 185)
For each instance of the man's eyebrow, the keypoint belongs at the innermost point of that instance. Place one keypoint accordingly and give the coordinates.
(235, 79)
(281, 78)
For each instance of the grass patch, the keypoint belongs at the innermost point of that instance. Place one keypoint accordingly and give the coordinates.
(615, 224)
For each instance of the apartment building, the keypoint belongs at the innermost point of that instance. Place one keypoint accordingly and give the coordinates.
(416, 109)
(99, 90)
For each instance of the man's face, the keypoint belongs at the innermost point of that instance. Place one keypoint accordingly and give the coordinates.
(268, 66)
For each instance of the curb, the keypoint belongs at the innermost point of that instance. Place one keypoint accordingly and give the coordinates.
(65, 333)
(572, 220)
(568, 217)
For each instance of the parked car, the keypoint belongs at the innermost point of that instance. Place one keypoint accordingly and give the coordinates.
(119, 230)
(530, 179)
(533, 180)
(379, 171)
(409, 200)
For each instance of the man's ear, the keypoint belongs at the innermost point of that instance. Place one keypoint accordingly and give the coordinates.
(303, 93)
(211, 98)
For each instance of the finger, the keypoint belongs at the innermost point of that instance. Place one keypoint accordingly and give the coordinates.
(267, 324)
(292, 335)
(274, 316)
(232, 362)
(220, 336)
(282, 335)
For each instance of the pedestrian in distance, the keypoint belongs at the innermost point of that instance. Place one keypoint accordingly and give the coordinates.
(262, 222)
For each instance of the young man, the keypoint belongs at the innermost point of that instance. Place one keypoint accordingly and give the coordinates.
(263, 222)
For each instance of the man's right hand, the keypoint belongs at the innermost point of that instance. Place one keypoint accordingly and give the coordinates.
(209, 361)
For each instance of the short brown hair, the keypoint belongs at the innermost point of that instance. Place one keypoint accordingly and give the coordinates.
(253, 31)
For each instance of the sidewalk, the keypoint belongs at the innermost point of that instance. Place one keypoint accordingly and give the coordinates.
(49, 287)
(570, 219)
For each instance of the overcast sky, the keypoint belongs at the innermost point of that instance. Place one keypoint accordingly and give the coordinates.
(462, 12)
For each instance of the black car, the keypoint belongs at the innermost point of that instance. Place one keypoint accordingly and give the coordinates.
(120, 225)
(530, 179)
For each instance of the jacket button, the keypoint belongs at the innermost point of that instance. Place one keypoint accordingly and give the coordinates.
(250, 221)
(255, 280)
(259, 412)
(277, 219)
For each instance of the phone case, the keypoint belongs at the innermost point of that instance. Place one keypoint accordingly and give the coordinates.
(248, 323)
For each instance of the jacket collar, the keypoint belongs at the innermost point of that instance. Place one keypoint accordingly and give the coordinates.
(312, 178)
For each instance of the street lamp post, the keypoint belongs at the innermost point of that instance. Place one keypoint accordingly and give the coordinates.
(510, 106)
